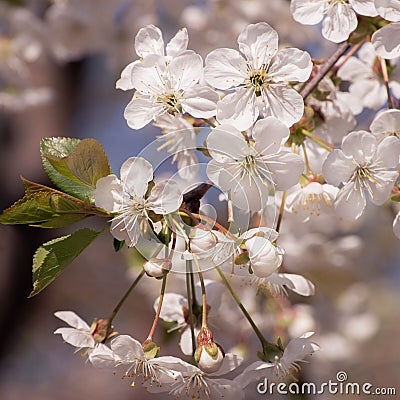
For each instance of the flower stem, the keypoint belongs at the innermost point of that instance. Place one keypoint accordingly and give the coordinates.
(126, 295)
(316, 139)
(157, 316)
(281, 211)
(190, 296)
(266, 345)
(385, 77)
(324, 69)
(307, 162)
(203, 294)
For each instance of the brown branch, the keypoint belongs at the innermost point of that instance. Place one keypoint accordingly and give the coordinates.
(324, 69)
(191, 199)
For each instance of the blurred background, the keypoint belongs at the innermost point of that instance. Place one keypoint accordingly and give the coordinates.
(59, 61)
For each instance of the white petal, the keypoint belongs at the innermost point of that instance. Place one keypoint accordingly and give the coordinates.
(186, 70)
(172, 308)
(125, 81)
(200, 101)
(386, 123)
(308, 12)
(284, 103)
(140, 111)
(388, 9)
(136, 173)
(337, 168)
(360, 145)
(350, 202)
(178, 44)
(254, 372)
(238, 109)
(165, 198)
(388, 152)
(290, 65)
(396, 225)
(108, 193)
(386, 41)
(297, 349)
(340, 21)
(148, 76)
(149, 41)
(77, 338)
(185, 343)
(225, 68)
(258, 42)
(286, 168)
(103, 357)
(231, 362)
(127, 348)
(364, 7)
(219, 137)
(382, 190)
(72, 319)
(270, 134)
(294, 282)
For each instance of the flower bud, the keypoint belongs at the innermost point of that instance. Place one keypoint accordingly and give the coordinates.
(265, 258)
(157, 267)
(209, 355)
(202, 241)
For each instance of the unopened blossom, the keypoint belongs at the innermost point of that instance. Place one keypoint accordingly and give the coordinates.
(149, 40)
(364, 76)
(295, 352)
(157, 267)
(250, 166)
(339, 17)
(258, 77)
(126, 198)
(366, 168)
(193, 383)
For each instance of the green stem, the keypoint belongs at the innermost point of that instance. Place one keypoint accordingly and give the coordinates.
(319, 141)
(190, 297)
(126, 295)
(203, 294)
(267, 347)
(281, 211)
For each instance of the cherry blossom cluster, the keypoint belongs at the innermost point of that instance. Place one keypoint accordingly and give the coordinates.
(279, 134)
(270, 147)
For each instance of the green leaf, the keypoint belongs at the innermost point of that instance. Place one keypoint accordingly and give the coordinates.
(47, 208)
(396, 197)
(53, 257)
(74, 165)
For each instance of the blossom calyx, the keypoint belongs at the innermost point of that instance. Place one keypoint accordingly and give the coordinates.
(102, 330)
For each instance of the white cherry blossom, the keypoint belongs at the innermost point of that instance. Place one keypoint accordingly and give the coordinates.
(251, 165)
(259, 78)
(126, 198)
(295, 352)
(364, 75)
(339, 17)
(366, 168)
(193, 383)
(149, 40)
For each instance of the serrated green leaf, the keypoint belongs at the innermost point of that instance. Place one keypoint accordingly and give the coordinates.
(47, 208)
(75, 166)
(53, 257)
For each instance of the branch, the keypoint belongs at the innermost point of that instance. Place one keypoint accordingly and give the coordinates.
(324, 69)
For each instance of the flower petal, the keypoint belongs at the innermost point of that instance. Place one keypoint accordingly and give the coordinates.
(200, 101)
(127, 348)
(386, 41)
(225, 68)
(72, 319)
(258, 42)
(149, 40)
(108, 193)
(350, 202)
(136, 173)
(165, 198)
(178, 44)
(185, 70)
(308, 12)
(140, 111)
(340, 21)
